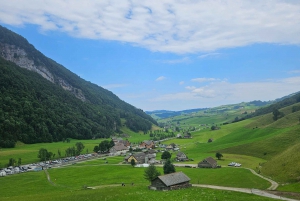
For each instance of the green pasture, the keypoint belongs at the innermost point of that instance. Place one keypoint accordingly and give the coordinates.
(138, 193)
(29, 152)
(102, 161)
(69, 182)
(290, 187)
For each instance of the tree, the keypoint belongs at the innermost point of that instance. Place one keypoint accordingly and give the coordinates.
(277, 115)
(79, 147)
(132, 162)
(168, 167)
(166, 155)
(19, 162)
(11, 162)
(43, 154)
(151, 173)
(96, 149)
(219, 155)
(59, 153)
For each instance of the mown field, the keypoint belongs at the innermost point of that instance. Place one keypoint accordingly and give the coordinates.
(69, 184)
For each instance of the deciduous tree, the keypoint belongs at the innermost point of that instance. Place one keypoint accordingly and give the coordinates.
(151, 173)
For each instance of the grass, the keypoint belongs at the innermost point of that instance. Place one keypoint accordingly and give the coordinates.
(294, 187)
(69, 182)
(28, 152)
(284, 167)
(140, 193)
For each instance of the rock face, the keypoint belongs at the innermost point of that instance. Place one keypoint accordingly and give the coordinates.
(19, 57)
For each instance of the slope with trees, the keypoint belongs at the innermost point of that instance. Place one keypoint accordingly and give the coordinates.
(33, 109)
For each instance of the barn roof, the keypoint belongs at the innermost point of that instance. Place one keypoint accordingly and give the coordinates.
(210, 160)
(174, 178)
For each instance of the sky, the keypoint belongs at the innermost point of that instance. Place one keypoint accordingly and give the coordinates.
(171, 54)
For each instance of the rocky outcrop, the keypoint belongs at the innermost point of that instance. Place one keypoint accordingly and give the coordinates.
(20, 58)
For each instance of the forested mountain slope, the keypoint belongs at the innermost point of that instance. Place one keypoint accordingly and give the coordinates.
(44, 102)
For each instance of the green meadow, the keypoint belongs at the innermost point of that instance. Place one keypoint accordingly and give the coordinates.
(69, 184)
(29, 152)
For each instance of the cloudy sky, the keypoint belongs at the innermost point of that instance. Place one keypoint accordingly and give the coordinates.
(171, 54)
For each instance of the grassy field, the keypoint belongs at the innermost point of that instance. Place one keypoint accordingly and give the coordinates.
(139, 193)
(28, 152)
(69, 182)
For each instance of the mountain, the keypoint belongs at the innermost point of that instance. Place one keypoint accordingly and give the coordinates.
(43, 101)
(161, 114)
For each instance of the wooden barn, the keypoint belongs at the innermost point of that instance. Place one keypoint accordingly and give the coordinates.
(208, 163)
(171, 181)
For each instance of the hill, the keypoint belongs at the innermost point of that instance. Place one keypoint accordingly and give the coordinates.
(43, 101)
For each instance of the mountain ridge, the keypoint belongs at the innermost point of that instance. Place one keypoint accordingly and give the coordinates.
(101, 107)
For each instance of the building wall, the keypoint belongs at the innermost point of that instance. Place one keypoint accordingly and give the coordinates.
(204, 164)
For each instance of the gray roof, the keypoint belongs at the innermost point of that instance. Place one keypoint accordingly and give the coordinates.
(180, 154)
(119, 147)
(148, 142)
(210, 160)
(174, 178)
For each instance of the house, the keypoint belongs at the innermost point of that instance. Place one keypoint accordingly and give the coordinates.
(181, 156)
(178, 135)
(139, 158)
(171, 181)
(117, 149)
(208, 163)
(151, 151)
(126, 143)
(148, 144)
(169, 147)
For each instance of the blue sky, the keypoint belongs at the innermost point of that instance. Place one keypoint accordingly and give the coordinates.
(171, 55)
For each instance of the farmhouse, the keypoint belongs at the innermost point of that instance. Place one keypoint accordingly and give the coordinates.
(141, 158)
(117, 149)
(148, 144)
(171, 181)
(181, 156)
(208, 163)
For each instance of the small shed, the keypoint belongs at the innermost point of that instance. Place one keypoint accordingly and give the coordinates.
(208, 163)
(171, 181)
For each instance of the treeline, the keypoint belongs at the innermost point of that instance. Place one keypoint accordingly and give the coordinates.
(276, 106)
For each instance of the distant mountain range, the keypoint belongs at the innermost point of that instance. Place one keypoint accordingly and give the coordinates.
(43, 101)
(277, 103)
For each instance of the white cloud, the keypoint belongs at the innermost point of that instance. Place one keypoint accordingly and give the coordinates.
(294, 71)
(203, 79)
(166, 26)
(223, 92)
(209, 55)
(181, 83)
(160, 78)
(176, 61)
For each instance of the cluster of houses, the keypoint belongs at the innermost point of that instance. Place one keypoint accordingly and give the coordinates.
(147, 155)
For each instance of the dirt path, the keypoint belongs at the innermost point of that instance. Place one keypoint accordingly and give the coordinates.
(274, 184)
(245, 190)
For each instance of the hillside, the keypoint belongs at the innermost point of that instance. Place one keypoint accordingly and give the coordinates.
(43, 101)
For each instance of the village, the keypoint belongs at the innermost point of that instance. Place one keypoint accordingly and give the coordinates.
(143, 155)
